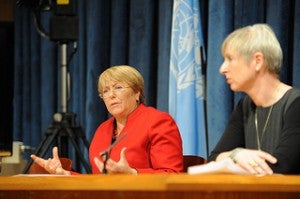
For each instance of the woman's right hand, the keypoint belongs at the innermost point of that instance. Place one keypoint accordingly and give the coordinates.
(52, 165)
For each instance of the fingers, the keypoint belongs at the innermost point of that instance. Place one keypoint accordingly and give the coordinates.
(258, 167)
(55, 153)
(263, 159)
(46, 164)
(38, 160)
(123, 154)
(52, 165)
(33, 157)
(113, 167)
(268, 157)
(99, 164)
(255, 162)
(250, 167)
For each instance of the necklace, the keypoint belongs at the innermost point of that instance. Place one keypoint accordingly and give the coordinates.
(264, 129)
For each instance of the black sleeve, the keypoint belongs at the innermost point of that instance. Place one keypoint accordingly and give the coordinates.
(233, 135)
(288, 150)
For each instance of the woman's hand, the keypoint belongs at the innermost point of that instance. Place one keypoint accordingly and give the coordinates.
(253, 161)
(113, 167)
(52, 165)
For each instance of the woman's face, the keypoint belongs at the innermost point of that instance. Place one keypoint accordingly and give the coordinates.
(120, 99)
(239, 74)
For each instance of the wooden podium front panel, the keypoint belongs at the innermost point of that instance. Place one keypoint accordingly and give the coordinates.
(226, 182)
(154, 186)
(234, 186)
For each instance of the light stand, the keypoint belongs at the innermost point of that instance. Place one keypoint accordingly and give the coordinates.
(64, 77)
(63, 28)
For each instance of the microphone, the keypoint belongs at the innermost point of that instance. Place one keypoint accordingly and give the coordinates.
(105, 153)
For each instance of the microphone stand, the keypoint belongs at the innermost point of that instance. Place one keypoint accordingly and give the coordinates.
(105, 154)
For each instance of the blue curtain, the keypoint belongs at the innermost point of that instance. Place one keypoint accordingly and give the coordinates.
(134, 32)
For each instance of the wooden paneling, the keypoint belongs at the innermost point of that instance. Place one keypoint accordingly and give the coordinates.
(157, 186)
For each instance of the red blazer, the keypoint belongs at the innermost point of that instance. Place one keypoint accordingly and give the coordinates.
(153, 142)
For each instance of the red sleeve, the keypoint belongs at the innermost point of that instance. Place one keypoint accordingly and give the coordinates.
(166, 146)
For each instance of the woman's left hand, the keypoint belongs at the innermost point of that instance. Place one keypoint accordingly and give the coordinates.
(114, 167)
(255, 161)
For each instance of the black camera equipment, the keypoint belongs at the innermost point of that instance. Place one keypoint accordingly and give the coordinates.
(63, 30)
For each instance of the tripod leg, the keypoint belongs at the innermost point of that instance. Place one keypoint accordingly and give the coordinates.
(83, 138)
(45, 145)
(79, 153)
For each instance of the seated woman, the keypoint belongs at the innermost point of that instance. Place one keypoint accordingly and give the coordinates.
(263, 133)
(149, 140)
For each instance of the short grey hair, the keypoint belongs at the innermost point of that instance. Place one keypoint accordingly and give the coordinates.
(256, 38)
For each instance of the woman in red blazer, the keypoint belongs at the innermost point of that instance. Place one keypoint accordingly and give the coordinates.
(144, 139)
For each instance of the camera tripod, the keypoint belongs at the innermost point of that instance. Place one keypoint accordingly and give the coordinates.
(63, 126)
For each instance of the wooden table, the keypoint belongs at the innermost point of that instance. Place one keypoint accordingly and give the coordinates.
(157, 186)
